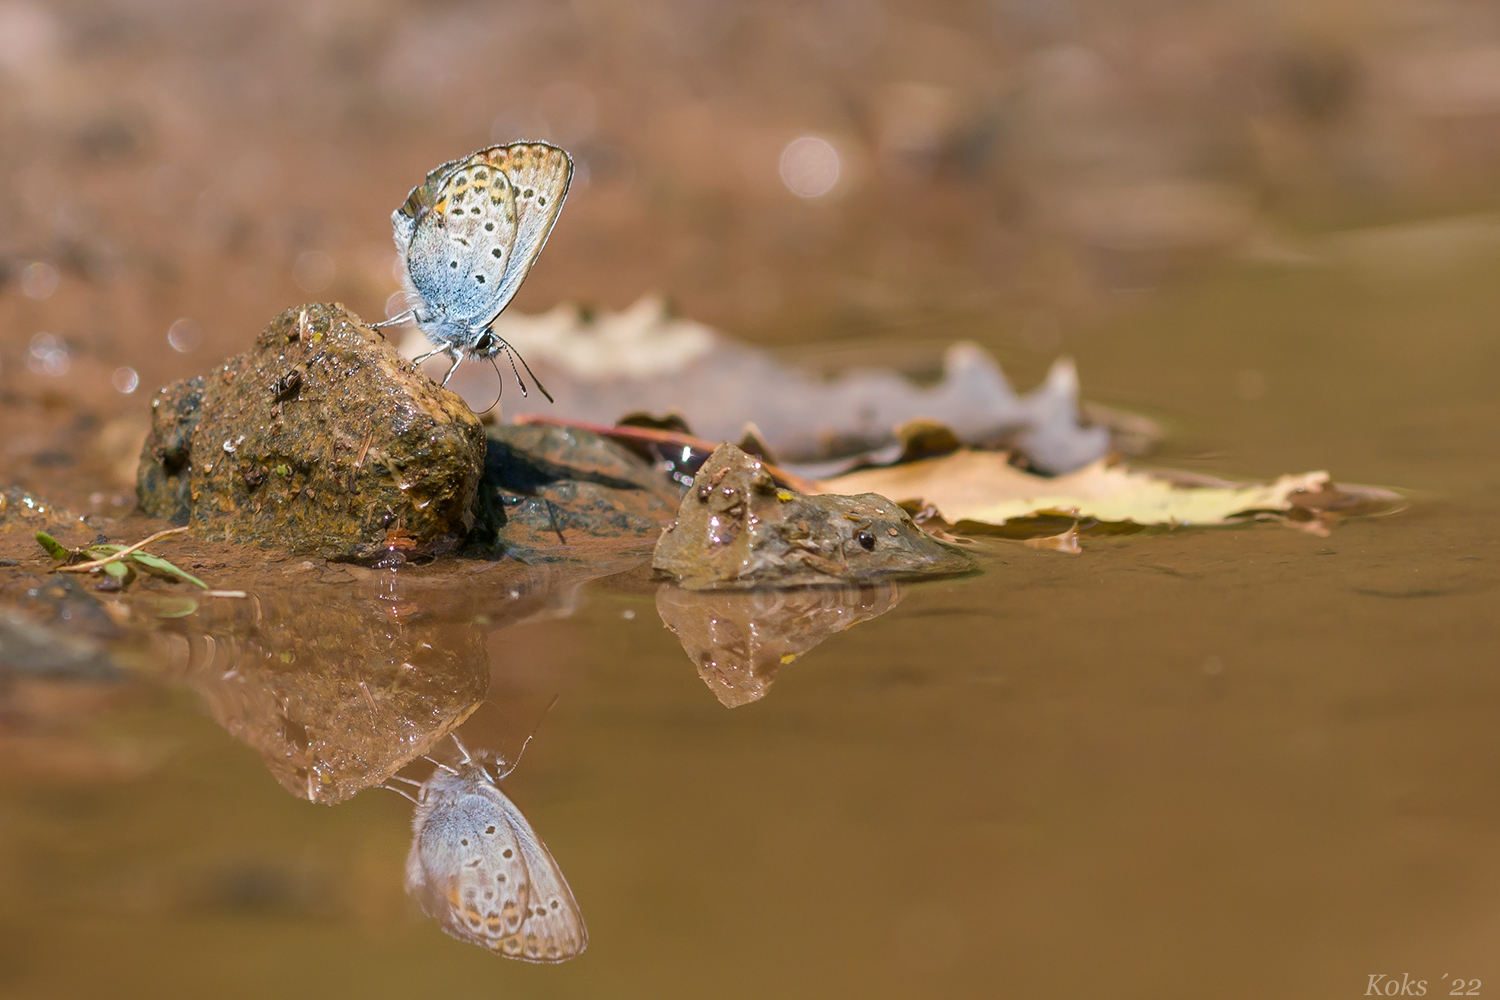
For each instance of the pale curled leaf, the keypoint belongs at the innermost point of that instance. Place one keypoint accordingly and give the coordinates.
(983, 486)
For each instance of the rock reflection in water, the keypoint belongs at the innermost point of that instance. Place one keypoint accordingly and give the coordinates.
(337, 694)
(740, 639)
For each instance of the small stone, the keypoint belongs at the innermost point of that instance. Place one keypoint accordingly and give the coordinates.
(315, 377)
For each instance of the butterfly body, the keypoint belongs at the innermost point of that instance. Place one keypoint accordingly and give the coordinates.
(477, 866)
(469, 234)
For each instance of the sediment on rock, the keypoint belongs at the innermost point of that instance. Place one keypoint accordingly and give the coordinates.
(320, 440)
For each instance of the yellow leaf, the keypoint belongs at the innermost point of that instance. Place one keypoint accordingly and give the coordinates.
(983, 486)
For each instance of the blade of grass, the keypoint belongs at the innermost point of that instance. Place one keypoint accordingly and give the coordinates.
(88, 567)
(54, 548)
(159, 566)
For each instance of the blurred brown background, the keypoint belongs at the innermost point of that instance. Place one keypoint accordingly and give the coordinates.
(1033, 160)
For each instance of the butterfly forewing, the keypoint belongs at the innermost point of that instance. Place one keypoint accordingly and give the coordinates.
(539, 174)
(478, 868)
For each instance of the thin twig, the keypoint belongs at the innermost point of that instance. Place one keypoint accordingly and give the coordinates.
(86, 567)
(793, 480)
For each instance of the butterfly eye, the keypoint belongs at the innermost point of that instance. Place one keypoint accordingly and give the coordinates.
(866, 541)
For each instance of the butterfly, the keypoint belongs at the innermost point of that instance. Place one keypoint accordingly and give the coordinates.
(468, 236)
(479, 869)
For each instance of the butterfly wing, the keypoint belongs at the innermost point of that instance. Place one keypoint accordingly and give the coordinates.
(554, 930)
(478, 868)
(417, 204)
(539, 174)
(461, 242)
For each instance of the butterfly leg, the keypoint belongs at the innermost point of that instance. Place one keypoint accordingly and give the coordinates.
(457, 357)
(395, 320)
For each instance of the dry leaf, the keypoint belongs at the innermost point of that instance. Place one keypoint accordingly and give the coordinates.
(601, 366)
(1065, 542)
(984, 487)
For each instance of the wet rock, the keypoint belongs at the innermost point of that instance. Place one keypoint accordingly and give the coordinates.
(558, 494)
(320, 440)
(736, 529)
(739, 640)
(23, 514)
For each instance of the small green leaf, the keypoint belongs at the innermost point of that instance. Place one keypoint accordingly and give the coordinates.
(160, 567)
(117, 569)
(53, 547)
(176, 607)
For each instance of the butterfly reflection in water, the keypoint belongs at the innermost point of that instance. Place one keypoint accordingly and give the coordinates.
(477, 867)
(468, 236)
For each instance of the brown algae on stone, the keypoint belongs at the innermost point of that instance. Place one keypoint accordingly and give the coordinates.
(736, 529)
(320, 440)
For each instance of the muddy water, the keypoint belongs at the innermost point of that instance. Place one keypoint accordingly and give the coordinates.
(1235, 763)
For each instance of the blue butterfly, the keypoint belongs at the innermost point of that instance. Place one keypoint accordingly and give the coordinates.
(468, 236)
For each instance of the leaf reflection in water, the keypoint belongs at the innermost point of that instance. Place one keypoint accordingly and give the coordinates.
(740, 639)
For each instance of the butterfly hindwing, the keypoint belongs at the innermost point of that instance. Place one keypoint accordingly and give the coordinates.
(462, 243)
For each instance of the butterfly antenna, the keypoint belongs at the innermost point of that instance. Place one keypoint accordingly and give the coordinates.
(512, 359)
(409, 781)
(522, 752)
(513, 354)
(400, 793)
(501, 379)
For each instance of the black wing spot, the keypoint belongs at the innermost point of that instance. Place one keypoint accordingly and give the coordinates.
(475, 210)
(527, 193)
(480, 278)
(490, 829)
(495, 252)
(489, 227)
(465, 842)
(453, 263)
(507, 853)
(541, 201)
